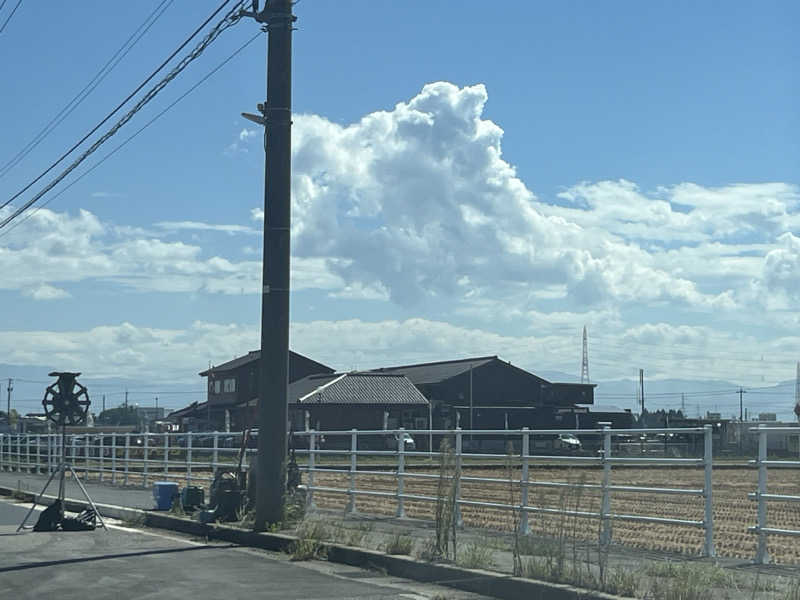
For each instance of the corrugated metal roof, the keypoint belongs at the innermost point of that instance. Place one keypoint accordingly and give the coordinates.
(355, 388)
(435, 372)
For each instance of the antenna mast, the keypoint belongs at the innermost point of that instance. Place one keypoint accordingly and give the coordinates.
(585, 358)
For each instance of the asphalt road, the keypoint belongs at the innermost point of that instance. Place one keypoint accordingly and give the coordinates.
(123, 563)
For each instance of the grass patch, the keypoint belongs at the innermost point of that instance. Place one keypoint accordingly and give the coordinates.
(310, 543)
(307, 550)
(476, 556)
(400, 544)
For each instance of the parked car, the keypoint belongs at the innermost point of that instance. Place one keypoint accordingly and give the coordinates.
(392, 441)
(567, 442)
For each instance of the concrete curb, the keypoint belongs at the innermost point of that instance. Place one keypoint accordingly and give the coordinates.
(478, 581)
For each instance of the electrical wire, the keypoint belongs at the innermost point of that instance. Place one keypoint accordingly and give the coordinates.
(216, 30)
(9, 16)
(110, 65)
(130, 138)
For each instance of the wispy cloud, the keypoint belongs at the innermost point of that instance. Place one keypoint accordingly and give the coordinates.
(199, 226)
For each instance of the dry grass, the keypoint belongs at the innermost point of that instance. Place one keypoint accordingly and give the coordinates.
(733, 512)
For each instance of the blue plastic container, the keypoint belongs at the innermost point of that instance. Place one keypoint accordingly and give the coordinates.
(163, 493)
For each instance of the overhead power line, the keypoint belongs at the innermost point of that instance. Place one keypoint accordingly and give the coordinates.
(230, 19)
(112, 62)
(130, 138)
(9, 16)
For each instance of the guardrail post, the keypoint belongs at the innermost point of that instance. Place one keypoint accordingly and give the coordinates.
(166, 453)
(188, 458)
(114, 457)
(708, 489)
(605, 509)
(215, 453)
(86, 457)
(351, 496)
(312, 451)
(2, 452)
(524, 527)
(401, 467)
(145, 456)
(761, 554)
(127, 457)
(101, 451)
(457, 475)
(28, 451)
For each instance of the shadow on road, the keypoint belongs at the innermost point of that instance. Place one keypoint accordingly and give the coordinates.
(67, 561)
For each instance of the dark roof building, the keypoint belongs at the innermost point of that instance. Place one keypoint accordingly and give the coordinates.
(490, 393)
(236, 381)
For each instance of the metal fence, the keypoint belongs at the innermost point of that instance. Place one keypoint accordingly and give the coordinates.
(525, 441)
(139, 459)
(762, 496)
(125, 458)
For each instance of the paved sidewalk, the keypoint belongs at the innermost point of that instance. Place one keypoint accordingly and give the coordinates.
(102, 493)
(122, 564)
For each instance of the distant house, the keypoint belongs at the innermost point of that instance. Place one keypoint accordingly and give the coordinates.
(489, 393)
(233, 389)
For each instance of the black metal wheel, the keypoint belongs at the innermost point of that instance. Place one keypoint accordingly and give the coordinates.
(66, 402)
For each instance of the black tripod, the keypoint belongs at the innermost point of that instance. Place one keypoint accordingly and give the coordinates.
(62, 404)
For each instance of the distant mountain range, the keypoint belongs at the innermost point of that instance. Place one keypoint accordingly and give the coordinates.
(699, 396)
(30, 384)
(696, 396)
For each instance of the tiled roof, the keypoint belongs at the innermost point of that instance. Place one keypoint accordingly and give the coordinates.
(355, 388)
(435, 372)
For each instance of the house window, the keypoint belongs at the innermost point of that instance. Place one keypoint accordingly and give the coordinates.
(217, 387)
(229, 385)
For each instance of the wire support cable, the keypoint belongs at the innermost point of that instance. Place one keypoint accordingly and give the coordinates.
(132, 136)
(9, 16)
(230, 19)
(110, 65)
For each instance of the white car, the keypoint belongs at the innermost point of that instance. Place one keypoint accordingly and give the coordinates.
(568, 441)
(408, 441)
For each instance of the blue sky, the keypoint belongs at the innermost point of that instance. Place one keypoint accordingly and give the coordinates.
(466, 182)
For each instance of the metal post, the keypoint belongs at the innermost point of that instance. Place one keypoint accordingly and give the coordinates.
(761, 554)
(708, 489)
(312, 451)
(457, 475)
(145, 456)
(166, 453)
(351, 496)
(114, 457)
(2, 452)
(101, 450)
(189, 458)
(86, 457)
(605, 509)
(524, 527)
(401, 467)
(28, 451)
(274, 368)
(127, 457)
(215, 453)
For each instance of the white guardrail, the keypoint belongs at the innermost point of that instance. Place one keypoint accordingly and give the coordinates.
(125, 458)
(762, 496)
(139, 458)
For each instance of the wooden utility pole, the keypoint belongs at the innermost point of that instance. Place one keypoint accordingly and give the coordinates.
(276, 117)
